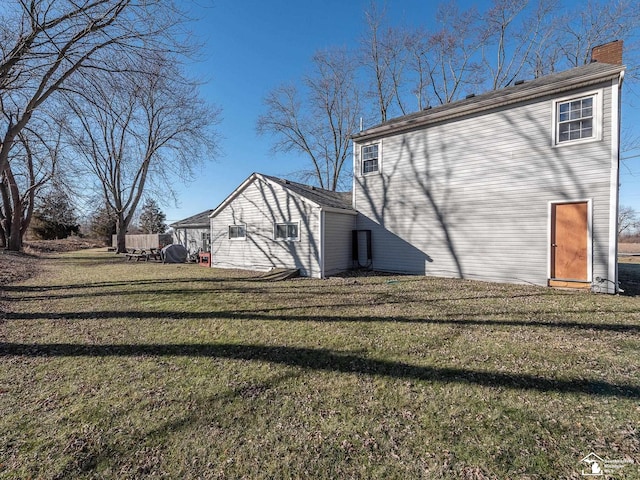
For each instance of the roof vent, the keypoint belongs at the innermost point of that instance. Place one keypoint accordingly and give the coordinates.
(519, 82)
(427, 107)
(471, 95)
(313, 188)
(287, 182)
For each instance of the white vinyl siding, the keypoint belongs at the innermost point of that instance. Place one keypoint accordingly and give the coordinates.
(337, 234)
(191, 238)
(260, 206)
(469, 197)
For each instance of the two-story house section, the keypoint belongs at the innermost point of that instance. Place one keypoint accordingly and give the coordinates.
(514, 185)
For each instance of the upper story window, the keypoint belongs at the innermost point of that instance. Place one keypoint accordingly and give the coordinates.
(287, 231)
(370, 158)
(577, 119)
(237, 232)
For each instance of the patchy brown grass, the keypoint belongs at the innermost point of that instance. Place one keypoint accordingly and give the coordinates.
(18, 266)
(115, 369)
(70, 244)
(629, 248)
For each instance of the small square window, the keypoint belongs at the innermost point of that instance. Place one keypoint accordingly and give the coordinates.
(370, 158)
(237, 232)
(286, 231)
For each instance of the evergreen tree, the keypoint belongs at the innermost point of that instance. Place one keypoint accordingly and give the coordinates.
(152, 219)
(54, 217)
(103, 225)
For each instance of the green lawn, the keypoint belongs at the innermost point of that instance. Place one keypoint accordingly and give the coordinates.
(114, 369)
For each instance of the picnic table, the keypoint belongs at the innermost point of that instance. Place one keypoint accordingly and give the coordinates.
(154, 254)
(138, 254)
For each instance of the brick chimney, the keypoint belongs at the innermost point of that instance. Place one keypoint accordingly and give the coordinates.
(608, 53)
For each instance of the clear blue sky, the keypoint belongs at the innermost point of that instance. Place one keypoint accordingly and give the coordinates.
(252, 46)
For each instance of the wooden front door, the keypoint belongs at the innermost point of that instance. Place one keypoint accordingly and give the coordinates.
(569, 241)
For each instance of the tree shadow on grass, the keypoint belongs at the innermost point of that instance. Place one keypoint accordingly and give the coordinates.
(288, 317)
(125, 283)
(327, 360)
(629, 278)
(86, 454)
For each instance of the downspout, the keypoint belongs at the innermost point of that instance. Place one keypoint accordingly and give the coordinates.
(353, 177)
(614, 186)
(321, 242)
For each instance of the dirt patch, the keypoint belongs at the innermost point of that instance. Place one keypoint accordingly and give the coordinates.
(18, 266)
(71, 244)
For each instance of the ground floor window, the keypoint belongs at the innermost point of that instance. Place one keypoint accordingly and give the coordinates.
(287, 231)
(206, 242)
(237, 232)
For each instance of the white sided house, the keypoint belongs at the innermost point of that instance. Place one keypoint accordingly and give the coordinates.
(518, 185)
(193, 233)
(269, 223)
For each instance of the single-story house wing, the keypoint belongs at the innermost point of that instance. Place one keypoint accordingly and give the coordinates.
(269, 223)
(193, 232)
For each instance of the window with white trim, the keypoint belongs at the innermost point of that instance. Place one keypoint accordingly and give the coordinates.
(370, 158)
(287, 231)
(237, 232)
(576, 119)
(206, 241)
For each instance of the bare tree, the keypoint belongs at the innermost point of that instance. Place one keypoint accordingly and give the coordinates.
(46, 42)
(318, 122)
(451, 54)
(510, 32)
(596, 23)
(627, 220)
(35, 157)
(469, 51)
(385, 57)
(131, 129)
(417, 45)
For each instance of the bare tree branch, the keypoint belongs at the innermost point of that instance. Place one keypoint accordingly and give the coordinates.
(320, 126)
(57, 39)
(135, 127)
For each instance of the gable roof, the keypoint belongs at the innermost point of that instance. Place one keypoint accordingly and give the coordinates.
(555, 83)
(198, 220)
(316, 196)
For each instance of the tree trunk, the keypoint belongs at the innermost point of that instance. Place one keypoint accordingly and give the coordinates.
(121, 234)
(14, 242)
(5, 212)
(12, 224)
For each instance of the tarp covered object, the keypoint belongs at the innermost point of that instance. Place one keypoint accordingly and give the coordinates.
(175, 253)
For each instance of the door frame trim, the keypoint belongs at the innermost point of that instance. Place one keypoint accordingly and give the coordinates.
(589, 203)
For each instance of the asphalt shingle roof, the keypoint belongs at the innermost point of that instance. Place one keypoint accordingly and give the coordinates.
(324, 198)
(198, 220)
